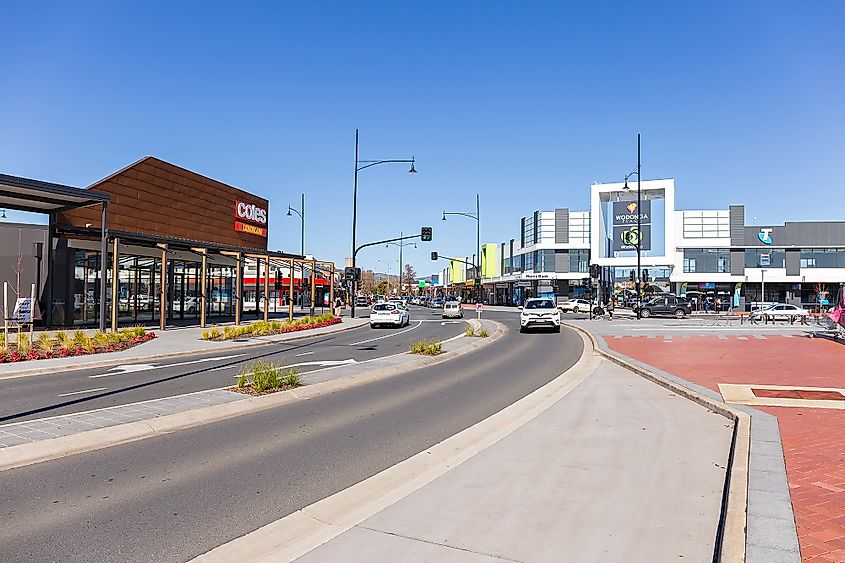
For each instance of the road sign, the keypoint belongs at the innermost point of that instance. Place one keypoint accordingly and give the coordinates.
(478, 308)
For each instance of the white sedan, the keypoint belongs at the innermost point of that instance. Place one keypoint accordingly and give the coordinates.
(389, 314)
(575, 306)
(780, 311)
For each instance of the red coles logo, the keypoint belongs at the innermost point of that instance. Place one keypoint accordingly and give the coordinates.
(250, 212)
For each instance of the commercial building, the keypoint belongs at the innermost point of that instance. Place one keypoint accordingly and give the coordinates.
(710, 256)
(153, 242)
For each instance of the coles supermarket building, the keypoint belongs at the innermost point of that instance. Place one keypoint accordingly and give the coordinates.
(151, 243)
(702, 254)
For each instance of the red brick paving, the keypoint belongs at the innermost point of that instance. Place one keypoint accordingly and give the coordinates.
(813, 439)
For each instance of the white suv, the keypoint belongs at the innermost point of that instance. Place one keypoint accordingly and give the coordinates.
(388, 314)
(539, 313)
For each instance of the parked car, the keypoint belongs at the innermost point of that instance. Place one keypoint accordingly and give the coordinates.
(190, 305)
(388, 314)
(780, 311)
(452, 309)
(575, 306)
(666, 305)
(539, 312)
(362, 301)
(437, 302)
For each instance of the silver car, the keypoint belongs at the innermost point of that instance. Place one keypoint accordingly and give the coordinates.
(452, 310)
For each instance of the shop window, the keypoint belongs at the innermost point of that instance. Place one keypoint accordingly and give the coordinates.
(689, 265)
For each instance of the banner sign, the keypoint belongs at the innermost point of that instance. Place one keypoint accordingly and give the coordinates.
(23, 312)
(625, 213)
(628, 237)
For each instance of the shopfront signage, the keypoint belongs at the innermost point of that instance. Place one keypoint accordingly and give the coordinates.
(625, 212)
(523, 284)
(765, 236)
(250, 212)
(250, 229)
(630, 237)
(501, 286)
(535, 276)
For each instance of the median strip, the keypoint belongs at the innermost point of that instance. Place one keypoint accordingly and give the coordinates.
(114, 431)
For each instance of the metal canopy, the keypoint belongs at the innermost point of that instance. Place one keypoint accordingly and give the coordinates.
(37, 196)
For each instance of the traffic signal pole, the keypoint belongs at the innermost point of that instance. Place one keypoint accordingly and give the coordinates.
(425, 235)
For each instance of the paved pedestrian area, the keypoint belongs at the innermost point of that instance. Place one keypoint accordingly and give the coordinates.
(65, 425)
(813, 438)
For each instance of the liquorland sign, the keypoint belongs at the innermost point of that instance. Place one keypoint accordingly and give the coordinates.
(250, 218)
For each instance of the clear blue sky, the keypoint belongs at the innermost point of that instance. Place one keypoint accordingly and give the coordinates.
(527, 103)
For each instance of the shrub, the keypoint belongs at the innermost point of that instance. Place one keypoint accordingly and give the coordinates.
(44, 343)
(79, 338)
(62, 339)
(23, 343)
(292, 378)
(483, 333)
(468, 331)
(242, 380)
(426, 348)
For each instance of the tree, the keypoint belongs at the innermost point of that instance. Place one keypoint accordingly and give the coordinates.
(380, 287)
(409, 276)
(368, 279)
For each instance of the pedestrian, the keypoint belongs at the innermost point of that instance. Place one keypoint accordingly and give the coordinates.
(610, 309)
(718, 305)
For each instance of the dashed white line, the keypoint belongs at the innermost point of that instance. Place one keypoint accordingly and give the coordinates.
(302, 354)
(419, 323)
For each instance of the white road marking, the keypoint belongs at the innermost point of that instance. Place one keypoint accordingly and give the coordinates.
(129, 368)
(419, 323)
(302, 354)
(330, 363)
(81, 392)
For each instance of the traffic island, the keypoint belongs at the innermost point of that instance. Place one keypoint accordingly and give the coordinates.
(263, 378)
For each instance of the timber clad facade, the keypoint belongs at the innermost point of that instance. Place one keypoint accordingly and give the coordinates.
(156, 198)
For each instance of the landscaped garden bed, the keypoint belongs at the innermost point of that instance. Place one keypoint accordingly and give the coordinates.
(262, 378)
(21, 348)
(262, 328)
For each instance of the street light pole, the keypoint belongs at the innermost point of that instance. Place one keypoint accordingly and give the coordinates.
(639, 229)
(477, 217)
(358, 168)
(301, 213)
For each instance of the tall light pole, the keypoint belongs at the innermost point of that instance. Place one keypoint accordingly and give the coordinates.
(358, 168)
(301, 213)
(477, 217)
(401, 245)
(639, 229)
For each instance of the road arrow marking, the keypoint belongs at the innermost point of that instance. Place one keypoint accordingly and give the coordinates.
(129, 368)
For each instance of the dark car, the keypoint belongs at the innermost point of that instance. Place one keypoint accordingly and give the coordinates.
(666, 305)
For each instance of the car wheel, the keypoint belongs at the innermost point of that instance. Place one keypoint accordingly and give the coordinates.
(575, 310)
(557, 328)
(680, 314)
(521, 329)
(645, 313)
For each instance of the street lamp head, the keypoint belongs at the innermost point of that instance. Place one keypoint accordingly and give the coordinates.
(412, 169)
(289, 211)
(625, 187)
(444, 215)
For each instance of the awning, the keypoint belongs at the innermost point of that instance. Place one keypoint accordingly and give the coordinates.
(25, 194)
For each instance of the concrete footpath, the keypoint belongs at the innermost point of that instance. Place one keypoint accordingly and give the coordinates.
(173, 342)
(597, 465)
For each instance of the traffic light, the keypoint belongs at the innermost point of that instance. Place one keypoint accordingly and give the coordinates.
(631, 275)
(434, 256)
(349, 273)
(595, 271)
(357, 274)
(645, 275)
(425, 233)
(278, 282)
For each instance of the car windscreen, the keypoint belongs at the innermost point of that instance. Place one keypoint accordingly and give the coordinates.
(384, 307)
(540, 304)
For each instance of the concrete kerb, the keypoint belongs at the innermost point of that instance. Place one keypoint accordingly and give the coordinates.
(55, 448)
(306, 529)
(734, 520)
(108, 362)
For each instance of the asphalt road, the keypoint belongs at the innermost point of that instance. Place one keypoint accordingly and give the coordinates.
(39, 396)
(173, 497)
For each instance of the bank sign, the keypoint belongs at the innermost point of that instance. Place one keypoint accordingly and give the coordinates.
(250, 219)
(626, 234)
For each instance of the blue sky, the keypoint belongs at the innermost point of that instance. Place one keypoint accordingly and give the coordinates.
(526, 103)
